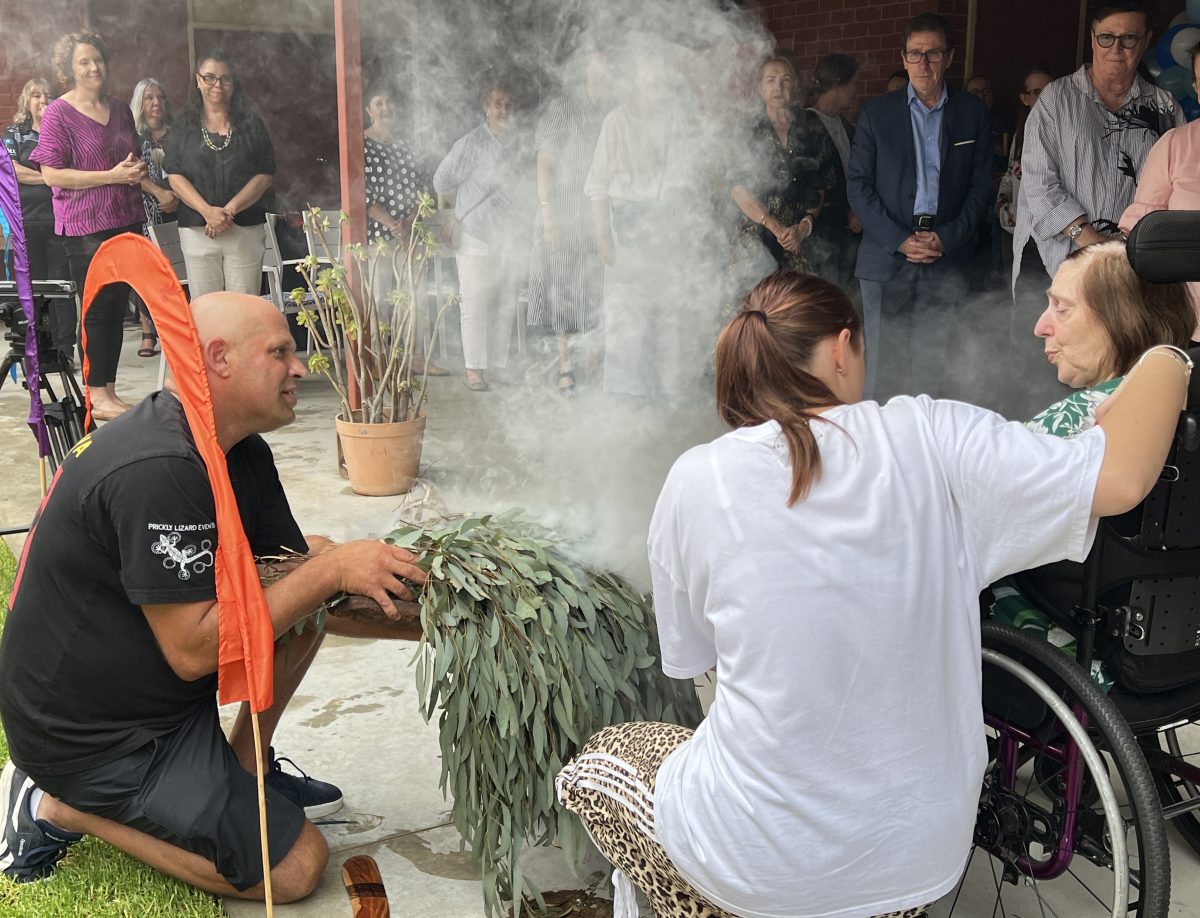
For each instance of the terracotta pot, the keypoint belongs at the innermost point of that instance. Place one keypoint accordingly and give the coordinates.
(382, 459)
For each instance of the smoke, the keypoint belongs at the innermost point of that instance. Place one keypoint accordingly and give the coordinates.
(591, 467)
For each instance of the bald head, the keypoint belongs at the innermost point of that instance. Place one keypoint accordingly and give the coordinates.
(250, 360)
(234, 317)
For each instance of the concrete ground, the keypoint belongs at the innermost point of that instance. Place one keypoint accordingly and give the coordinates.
(589, 467)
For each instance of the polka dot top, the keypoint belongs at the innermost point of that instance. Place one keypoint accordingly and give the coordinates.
(392, 180)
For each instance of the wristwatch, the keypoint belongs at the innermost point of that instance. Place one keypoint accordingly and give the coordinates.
(1075, 231)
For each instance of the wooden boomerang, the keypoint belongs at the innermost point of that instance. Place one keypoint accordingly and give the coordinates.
(368, 898)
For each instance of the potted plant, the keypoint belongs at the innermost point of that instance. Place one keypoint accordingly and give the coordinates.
(366, 344)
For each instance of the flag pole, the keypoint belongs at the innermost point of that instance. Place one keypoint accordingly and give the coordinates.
(262, 814)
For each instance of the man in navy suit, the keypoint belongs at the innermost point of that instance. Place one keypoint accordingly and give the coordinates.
(919, 179)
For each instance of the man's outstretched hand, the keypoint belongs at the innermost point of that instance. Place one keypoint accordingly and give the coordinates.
(375, 569)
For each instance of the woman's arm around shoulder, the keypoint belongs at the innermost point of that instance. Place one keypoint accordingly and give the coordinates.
(1139, 421)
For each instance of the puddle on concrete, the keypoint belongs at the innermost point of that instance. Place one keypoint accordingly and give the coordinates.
(453, 865)
(338, 707)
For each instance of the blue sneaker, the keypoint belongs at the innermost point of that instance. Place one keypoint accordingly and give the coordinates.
(29, 847)
(316, 798)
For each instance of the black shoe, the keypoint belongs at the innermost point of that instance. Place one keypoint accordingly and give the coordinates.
(316, 798)
(29, 847)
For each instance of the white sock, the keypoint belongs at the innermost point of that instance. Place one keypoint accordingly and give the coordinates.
(35, 799)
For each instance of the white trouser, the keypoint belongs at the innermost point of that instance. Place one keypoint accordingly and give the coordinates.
(232, 261)
(489, 278)
(656, 334)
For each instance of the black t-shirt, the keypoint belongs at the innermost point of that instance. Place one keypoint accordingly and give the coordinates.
(220, 174)
(37, 206)
(129, 521)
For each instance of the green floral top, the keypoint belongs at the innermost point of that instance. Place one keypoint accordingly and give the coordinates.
(1067, 418)
(1075, 413)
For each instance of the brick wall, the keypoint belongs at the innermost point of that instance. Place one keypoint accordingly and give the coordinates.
(870, 30)
(146, 38)
(29, 31)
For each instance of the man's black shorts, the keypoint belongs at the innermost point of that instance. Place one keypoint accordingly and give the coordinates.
(187, 788)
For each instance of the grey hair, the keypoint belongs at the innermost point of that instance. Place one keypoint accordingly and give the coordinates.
(139, 97)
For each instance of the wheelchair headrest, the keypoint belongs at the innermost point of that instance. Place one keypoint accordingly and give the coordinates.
(1164, 247)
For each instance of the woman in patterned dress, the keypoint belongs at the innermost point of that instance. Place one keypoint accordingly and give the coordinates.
(566, 277)
(789, 164)
(393, 182)
(152, 120)
(1100, 318)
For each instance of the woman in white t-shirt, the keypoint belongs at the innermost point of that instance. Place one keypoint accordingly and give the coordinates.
(826, 557)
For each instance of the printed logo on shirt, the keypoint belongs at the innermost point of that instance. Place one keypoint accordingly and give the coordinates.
(188, 557)
(81, 446)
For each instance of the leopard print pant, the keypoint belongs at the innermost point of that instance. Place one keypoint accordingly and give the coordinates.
(622, 762)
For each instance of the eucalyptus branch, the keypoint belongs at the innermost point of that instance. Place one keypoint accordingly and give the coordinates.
(524, 655)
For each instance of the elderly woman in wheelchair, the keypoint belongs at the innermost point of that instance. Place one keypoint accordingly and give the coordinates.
(825, 557)
(1128, 616)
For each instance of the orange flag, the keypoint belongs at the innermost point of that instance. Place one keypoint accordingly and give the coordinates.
(246, 643)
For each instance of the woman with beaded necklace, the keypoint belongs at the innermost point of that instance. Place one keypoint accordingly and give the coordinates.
(220, 162)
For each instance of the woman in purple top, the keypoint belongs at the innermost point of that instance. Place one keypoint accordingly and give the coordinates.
(88, 153)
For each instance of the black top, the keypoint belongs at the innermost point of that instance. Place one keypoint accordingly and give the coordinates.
(788, 179)
(128, 522)
(220, 174)
(37, 206)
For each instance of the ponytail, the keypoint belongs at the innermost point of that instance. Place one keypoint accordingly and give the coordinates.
(761, 359)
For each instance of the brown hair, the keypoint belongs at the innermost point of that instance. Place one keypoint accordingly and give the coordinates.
(64, 50)
(1135, 313)
(22, 113)
(762, 356)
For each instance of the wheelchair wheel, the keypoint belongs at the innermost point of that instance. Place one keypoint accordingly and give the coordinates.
(1180, 742)
(1057, 833)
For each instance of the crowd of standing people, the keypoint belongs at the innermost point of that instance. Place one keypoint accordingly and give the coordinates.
(578, 220)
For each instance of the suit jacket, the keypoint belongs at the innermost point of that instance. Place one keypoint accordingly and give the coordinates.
(882, 179)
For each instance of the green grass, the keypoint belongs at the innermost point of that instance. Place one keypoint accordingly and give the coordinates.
(95, 880)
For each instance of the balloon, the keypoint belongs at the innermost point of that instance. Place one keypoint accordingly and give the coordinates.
(1150, 62)
(1193, 10)
(1191, 108)
(1163, 48)
(1182, 19)
(1177, 81)
(1183, 42)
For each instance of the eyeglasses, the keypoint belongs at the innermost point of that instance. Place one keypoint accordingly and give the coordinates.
(1128, 41)
(211, 79)
(934, 57)
(985, 91)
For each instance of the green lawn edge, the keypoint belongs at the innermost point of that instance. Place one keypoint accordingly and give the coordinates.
(95, 880)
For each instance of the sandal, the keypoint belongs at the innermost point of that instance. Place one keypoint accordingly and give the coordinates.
(567, 391)
(150, 351)
(368, 898)
(476, 385)
(108, 414)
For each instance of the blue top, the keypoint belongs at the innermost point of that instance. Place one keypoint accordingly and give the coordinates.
(927, 139)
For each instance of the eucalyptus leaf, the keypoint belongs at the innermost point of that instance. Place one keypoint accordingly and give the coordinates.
(525, 653)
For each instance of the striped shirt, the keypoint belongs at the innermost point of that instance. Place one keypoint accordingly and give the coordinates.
(484, 176)
(1080, 158)
(71, 140)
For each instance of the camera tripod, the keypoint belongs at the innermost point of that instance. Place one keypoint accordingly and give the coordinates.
(62, 401)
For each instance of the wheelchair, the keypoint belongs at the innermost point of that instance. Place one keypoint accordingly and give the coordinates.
(1081, 785)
